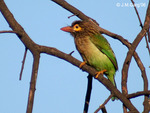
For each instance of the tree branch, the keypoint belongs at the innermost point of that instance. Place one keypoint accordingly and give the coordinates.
(104, 110)
(88, 94)
(142, 67)
(22, 67)
(129, 56)
(140, 93)
(137, 13)
(103, 105)
(141, 25)
(26, 40)
(33, 82)
(9, 31)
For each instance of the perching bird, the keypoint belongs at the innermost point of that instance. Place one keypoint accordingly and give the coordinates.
(94, 48)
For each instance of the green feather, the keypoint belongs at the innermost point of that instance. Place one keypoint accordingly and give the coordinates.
(102, 44)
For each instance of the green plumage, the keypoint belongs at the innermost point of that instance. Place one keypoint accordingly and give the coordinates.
(94, 48)
(98, 56)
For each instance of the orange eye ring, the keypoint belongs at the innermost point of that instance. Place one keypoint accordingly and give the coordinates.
(76, 27)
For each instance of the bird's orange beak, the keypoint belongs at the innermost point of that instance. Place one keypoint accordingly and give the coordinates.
(67, 29)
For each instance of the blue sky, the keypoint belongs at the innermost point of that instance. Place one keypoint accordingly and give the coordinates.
(61, 87)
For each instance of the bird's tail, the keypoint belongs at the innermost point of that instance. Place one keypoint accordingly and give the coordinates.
(111, 78)
(114, 98)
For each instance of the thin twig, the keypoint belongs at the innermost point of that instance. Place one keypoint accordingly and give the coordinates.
(72, 15)
(9, 31)
(149, 33)
(71, 52)
(147, 45)
(71, 9)
(88, 94)
(101, 106)
(23, 62)
(137, 13)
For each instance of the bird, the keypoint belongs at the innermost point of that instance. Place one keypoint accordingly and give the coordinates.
(94, 49)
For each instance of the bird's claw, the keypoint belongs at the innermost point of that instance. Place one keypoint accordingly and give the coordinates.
(100, 72)
(82, 64)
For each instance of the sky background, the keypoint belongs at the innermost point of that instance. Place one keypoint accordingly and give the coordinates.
(61, 87)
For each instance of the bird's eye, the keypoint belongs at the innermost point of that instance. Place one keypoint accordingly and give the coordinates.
(76, 27)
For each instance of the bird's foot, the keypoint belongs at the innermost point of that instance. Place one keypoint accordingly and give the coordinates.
(82, 64)
(100, 72)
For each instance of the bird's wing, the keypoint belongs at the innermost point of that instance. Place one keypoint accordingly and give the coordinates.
(102, 44)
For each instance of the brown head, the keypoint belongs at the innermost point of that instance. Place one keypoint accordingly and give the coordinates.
(81, 28)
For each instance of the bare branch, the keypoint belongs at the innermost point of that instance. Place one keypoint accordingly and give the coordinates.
(8, 31)
(140, 93)
(104, 110)
(137, 13)
(88, 93)
(71, 53)
(33, 83)
(103, 105)
(141, 25)
(129, 56)
(22, 67)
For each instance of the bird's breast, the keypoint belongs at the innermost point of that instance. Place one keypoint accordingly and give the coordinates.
(88, 50)
(91, 54)
(83, 45)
